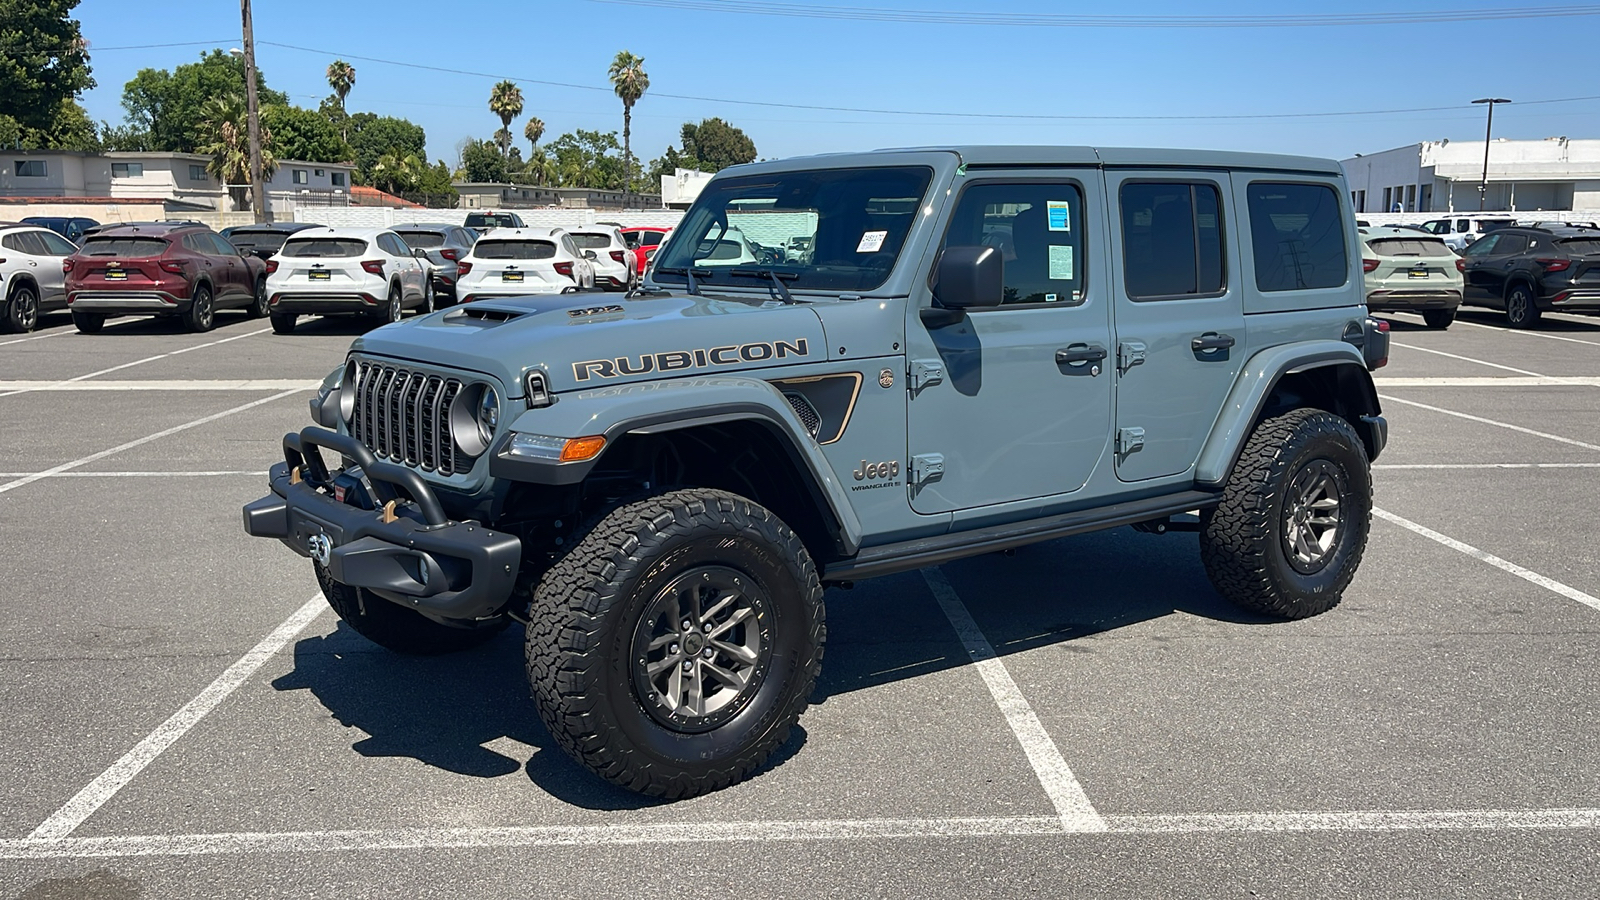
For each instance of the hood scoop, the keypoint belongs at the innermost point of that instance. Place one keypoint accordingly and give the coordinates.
(484, 315)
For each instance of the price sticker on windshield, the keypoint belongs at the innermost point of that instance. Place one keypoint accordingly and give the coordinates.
(871, 241)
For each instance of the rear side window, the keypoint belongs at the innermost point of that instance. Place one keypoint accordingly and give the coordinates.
(1297, 233)
(514, 250)
(422, 240)
(1171, 240)
(54, 244)
(1408, 247)
(310, 248)
(1512, 243)
(591, 241)
(124, 246)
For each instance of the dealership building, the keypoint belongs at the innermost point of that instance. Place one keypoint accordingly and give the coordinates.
(1556, 173)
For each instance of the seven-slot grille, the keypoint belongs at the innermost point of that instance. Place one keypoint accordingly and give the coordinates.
(404, 417)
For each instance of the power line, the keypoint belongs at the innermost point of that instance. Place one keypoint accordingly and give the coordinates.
(91, 49)
(1054, 20)
(943, 114)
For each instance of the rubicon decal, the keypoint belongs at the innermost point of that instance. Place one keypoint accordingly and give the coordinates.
(683, 360)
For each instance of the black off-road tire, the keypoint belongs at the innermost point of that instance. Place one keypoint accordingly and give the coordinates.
(20, 312)
(283, 323)
(201, 316)
(89, 323)
(1243, 541)
(591, 605)
(1522, 311)
(393, 627)
(1439, 318)
(258, 301)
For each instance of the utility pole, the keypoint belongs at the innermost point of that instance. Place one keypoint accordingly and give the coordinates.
(261, 204)
(1488, 133)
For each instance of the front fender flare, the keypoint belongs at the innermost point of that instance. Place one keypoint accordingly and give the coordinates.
(1260, 375)
(654, 407)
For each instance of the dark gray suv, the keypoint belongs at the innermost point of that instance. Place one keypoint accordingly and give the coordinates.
(446, 245)
(1529, 271)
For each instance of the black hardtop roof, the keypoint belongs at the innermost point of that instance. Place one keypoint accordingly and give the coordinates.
(1123, 157)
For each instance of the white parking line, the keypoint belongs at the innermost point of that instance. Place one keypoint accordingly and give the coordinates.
(83, 461)
(258, 384)
(1060, 785)
(66, 819)
(1528, 575)
(1472, 418)
(1522, 331)
(1488, 381)
(131, 474)
(36, 337)
(140, 362)
(1594, 465)
(1469, 359)
(807, 830)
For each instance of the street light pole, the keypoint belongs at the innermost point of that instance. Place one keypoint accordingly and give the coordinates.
(261, 205)
(1488, 132)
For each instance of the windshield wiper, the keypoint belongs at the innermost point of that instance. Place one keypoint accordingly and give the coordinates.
(688, 274)
(777, 277)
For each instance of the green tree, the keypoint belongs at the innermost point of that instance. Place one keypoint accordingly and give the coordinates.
(44, 61)
(123, 137)
(226, 140)
(299, 133)
(482, 161)
(69, 128)
(342, 77)
(435, 182)
(505, 101)
(371, 136)
(397, 173)
(629, 82)
(715, 145)
(586, 159)
(533, 130)
(170, 106)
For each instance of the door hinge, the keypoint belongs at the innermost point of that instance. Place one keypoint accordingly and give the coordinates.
(1129, 440)
(925, 373)
(1129, 354)
(927, 467)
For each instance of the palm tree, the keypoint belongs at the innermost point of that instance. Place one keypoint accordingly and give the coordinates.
(533, 131)
(342, 77)
(629, 81)
(228, 144)
(396, 173)
(505, 101)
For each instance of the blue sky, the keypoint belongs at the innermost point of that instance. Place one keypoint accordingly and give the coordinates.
(1107, 72)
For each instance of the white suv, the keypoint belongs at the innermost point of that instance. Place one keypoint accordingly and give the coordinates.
(511, 262)
(614, 264)
(31, 280)
(323, 271)
(1460, 231)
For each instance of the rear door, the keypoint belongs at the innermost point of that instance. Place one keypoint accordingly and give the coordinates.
(52, 280)
(1179, 315)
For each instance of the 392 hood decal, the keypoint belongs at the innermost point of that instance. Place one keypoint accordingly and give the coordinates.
(683, 360)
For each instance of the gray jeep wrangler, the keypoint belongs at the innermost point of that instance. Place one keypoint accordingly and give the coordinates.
(841, 367)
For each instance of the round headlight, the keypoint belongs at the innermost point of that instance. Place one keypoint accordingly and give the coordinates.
(347, 392)
(474, 418)
(488, 413)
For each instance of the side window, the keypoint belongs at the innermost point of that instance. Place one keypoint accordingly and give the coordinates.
(220, 246)
(54, 244)
(1038, 229)
(191, 242)
(1511, 244)
(1463, 226)
(1171, 240)
(11, 242)
(1297, 234)
(1481, 246)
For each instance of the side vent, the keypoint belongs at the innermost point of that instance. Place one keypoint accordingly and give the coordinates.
(809, 417)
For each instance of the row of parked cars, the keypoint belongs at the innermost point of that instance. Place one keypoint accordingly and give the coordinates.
(286, 270)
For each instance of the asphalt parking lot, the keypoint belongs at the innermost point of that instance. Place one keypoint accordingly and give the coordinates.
(186, 718)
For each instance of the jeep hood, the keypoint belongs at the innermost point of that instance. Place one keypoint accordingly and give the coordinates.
(592, 340)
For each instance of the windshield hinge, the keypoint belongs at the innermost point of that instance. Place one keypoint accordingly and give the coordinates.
(926, 467)
(924, 373)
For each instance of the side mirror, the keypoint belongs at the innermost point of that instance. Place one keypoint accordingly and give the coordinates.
(420, 253)
(970, 277)
(590, 254)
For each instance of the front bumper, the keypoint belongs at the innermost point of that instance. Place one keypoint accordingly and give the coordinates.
(405, 551)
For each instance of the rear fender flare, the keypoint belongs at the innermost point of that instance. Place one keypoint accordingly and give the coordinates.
(656, 407)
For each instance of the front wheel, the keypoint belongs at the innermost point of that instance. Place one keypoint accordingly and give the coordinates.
(1521, 310)
(675, 646)
(1439, 318)
(202, 313)
(20, 315)
(1293, 521)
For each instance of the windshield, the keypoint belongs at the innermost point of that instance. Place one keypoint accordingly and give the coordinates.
(492, 220)
(514, 250)
(422, 240)
(836, 230)
(324, 247)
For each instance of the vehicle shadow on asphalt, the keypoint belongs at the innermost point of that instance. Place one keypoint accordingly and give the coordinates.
(442, 711)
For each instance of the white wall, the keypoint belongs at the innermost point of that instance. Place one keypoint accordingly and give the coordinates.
(385, 217)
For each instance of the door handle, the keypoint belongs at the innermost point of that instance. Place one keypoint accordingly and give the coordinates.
(1080, 359)
(1210, 341)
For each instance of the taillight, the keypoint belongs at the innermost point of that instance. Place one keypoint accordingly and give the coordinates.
(450, 253)
(1367, 265)
(272, 266)
(616, 255)
(1461, 264)
(175, 266)
(66, 264)
(565, 268)
(463, 268)
(375, 266)
(1555, 265)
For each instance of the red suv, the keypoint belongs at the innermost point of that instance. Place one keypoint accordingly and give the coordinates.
(643, 241)
(162, 269)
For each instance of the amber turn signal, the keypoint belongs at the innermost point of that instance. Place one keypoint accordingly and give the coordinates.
(580, 449)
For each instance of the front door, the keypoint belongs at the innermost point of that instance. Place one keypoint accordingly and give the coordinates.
(1014, 402)
(1485, 265)
(1179, 314)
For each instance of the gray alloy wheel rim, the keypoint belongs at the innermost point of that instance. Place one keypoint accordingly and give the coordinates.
(701, 649)
(25, 309)
(203, 311)
(1312, 516)
(1517, 305)
(394, 305)
(261, 297)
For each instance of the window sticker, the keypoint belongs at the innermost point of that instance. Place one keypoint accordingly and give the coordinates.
(1050, 298)
(1060, 262)
(1059, 213)
(871, 241)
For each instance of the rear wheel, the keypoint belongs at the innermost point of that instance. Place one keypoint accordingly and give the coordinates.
(427, 298)
(89, 323)
(21, 312)
(258, 306)
(1521, 310)
(391, 310)
(1439, 318)
(283, 323)
(202, 312)
(394, 627)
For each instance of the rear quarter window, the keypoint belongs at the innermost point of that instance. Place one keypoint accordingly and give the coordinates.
(1297, 235)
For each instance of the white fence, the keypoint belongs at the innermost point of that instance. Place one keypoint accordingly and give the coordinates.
(1523, 216)
(551, 217)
